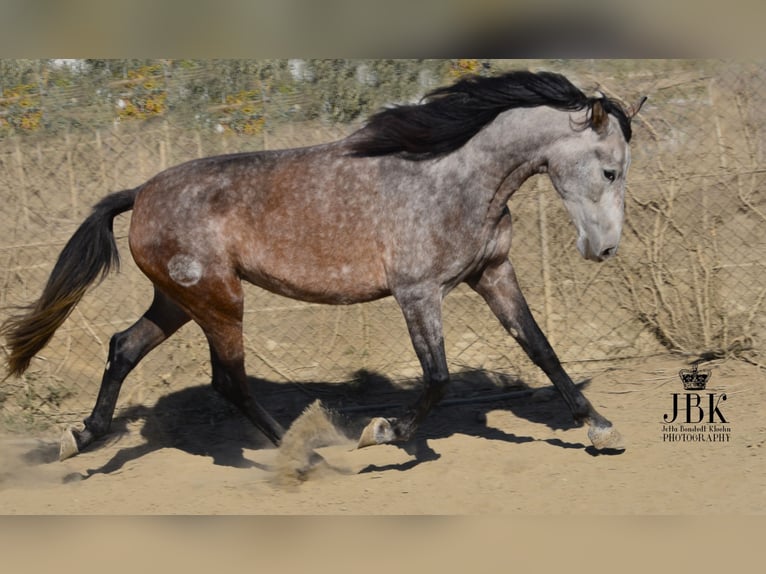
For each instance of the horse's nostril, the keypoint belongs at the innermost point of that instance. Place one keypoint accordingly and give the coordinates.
(607, 253)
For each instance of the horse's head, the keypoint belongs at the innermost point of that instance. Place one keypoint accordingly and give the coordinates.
(588, 168)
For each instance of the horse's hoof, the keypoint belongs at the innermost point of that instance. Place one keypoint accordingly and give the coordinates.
(68, 445)
(606, 438)
(379, 431)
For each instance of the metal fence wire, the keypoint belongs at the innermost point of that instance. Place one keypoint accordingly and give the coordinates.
(689, 275)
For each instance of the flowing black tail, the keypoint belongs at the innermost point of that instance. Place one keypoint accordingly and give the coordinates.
(88, 255)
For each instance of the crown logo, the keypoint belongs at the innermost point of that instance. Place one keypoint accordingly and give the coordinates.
(694, 379)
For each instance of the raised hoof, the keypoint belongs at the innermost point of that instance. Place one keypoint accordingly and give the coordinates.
(379, 431)
(68, 445)
(606, 438)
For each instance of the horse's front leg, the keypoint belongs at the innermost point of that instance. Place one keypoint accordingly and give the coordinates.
(498, 285)
(422, 312)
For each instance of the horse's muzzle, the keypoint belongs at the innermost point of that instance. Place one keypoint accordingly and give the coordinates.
(595, 253)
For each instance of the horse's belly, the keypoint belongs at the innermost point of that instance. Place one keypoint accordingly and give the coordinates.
(329, 282)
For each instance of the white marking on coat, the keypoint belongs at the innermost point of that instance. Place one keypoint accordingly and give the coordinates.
(185, 270)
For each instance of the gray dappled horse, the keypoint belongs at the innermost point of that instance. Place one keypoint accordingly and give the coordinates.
(410, 205)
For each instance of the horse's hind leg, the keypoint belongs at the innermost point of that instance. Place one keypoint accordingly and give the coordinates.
(422, 312)
(500, 289)
(230, 379)
(126, 349)
(217, 306)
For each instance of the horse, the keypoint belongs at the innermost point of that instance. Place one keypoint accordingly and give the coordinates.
(410, 205)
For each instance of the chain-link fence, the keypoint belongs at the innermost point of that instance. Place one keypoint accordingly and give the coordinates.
(689, 276)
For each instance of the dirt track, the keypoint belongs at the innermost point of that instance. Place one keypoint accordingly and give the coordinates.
(513, 456)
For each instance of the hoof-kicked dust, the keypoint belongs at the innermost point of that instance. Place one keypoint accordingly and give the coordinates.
(29, 462)
(297, 459)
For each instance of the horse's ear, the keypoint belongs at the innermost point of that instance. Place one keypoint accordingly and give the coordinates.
(633, 110)
(598, 117)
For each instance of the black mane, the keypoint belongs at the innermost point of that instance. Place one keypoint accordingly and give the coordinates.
(452, 115)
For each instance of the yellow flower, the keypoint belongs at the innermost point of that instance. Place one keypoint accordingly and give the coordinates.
(31, 122)
(464, 67)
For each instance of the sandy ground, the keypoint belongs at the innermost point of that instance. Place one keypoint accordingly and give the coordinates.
(509, 455)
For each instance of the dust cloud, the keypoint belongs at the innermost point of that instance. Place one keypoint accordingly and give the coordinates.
(297, 459)
(29, 462)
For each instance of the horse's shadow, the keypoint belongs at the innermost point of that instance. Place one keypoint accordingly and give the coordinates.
(197, 420)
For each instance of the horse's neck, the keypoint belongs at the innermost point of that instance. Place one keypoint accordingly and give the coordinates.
(512, 148)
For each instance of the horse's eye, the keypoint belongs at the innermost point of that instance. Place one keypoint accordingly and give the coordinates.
(610, 174)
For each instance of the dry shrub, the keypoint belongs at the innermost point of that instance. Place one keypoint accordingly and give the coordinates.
(692, 270)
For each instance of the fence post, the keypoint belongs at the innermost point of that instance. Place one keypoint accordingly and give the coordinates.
(73, 193)
(22, 183)
(168, 159)
(101, 162)
(723, 165)
(163, 144)
(198, 140)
